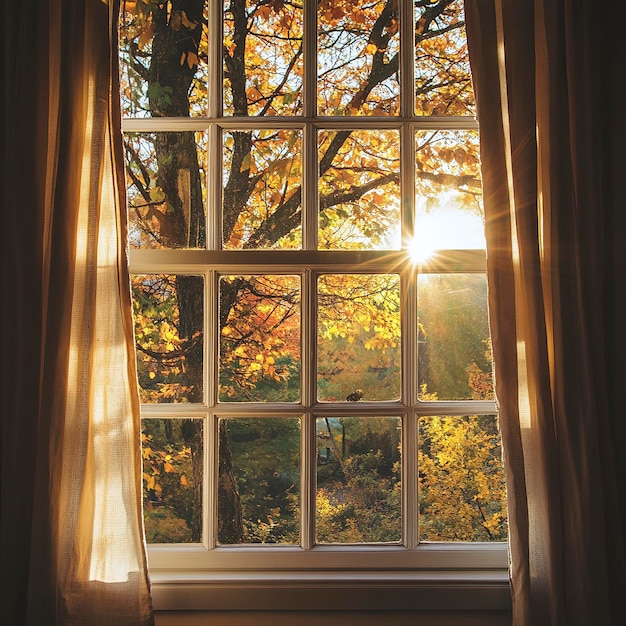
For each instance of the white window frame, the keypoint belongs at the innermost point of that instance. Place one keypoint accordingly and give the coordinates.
(461, 576)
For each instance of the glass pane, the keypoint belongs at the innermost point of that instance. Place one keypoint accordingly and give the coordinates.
(259, 339)
(358, 337)
(454, 352)
(259, 482)
(163, 59)
(359, 190)
(359, 498)
(169, 318)
(358, 47)
(172, 454)
(262, 57)
(461, 481)
(443, 83)
(166, 189)
(262, 177)
(448, 203)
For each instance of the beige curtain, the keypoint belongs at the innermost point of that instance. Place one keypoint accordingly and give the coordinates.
(550, 83)
(72, 542)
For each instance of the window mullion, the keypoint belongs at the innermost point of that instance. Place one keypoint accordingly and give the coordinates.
(214, 188)
(211, 335)
(409, 393)
(407, 59)
(309, 189)
(307, 482)
(309, 86)
(215, 25)
(210, 482)
(309, 157)
(309, 393)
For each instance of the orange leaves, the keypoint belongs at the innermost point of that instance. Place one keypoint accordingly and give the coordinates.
(260, 342)
(358, 335)
(274, 158)
(392, 28)
(278, 5)
(264, 11)
(160, 461)
(273, 66)
(190, 57)
(186, 22)
(357, 48)
(146, 32)
(162, 354)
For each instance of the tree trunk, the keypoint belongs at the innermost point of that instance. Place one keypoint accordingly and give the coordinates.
(183, 226)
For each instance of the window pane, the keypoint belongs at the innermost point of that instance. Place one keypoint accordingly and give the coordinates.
(358, 337)
(263, 458)
(448, 201)
(262, 179)
(358, 497)
(442, 73)
(454, 352)
(359, 190)
(166, 189)
(172, 453)
(163, 59)
(461, 480)
(169, 318)
(358, 58)
(262, 58)
(259, 339)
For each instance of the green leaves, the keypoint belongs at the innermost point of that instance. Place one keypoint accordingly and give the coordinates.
(160, 95)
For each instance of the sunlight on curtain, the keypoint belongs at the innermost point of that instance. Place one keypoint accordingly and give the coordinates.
(100, 525)
(70, 421)
(550, 102)
(107, 536)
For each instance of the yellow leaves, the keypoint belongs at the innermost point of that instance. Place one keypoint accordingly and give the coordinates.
(461, 480)
(370, 48)
(247, 163)
(230, 45)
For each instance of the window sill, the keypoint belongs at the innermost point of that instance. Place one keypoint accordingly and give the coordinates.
(462, 590)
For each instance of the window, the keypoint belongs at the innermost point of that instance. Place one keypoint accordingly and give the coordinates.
(310, 298)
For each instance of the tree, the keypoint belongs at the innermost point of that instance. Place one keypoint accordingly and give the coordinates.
(164, 69)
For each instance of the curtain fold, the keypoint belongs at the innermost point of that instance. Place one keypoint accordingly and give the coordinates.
(549, 83)
(71, 520)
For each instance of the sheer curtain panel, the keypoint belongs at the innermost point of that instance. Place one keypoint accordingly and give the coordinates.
(72, 541)
(550, 84)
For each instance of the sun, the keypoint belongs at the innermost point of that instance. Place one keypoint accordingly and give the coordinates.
(446, 228)
(421, 247)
